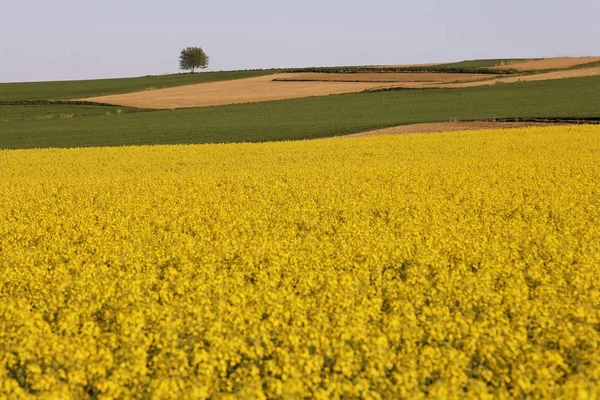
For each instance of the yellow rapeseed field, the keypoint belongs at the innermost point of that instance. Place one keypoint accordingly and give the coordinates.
(455, 265)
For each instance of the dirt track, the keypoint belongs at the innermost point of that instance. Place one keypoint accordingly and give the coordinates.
(548, 63)
(448, 127)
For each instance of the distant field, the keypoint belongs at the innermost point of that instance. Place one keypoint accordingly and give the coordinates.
(542, 76)
(305, 84)
(438, 127)
(279, 87)
(63, 90)
(548, 63)
(312, 117)
(232, 92)
(57, 111)
(507, 66)
(477, 68)
(99, 87)
(386, 77)
(468, 64)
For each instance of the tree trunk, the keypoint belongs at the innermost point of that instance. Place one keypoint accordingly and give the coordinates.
(192, 70)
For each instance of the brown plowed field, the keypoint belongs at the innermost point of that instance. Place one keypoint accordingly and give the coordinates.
(276, 87)
(449, 127)
(237, 91)
(399, 77)
(548, 63)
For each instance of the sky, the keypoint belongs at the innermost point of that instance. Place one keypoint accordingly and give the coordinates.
(44, 40)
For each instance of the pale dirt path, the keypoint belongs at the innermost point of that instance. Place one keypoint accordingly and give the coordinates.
(399, 77)
(448, 127)
(486, 80)
(548, 63)
(574, 73)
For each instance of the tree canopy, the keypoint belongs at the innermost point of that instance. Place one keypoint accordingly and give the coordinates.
(192, 58)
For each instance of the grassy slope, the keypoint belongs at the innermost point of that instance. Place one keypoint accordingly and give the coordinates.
(311, 117)
(479, 63)
(467, 66)
(586, 65)
(79, 89)
(53, 111)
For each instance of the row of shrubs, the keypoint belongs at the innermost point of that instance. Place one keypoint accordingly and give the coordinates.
(439, 69)
(51, 102)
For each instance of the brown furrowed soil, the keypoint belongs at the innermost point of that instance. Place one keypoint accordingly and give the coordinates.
(449, 126)
(277, 87)
(248, 90)
(548, 63)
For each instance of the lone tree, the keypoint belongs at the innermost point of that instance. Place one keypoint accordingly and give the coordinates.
(192, 58)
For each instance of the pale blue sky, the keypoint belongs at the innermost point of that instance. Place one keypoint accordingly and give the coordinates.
(79, 39)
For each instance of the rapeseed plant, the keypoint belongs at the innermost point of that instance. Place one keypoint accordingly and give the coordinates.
(449, 265)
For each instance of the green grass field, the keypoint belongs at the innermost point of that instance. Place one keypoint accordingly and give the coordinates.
(11, 113)
(79, 89)
(303, 118)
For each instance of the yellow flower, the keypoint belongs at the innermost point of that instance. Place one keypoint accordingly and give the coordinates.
(442, 265)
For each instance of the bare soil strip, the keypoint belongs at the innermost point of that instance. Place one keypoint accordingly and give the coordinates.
(400, 77)
(548, 63)
(494, 79)
(574, 73)
(450, 126)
